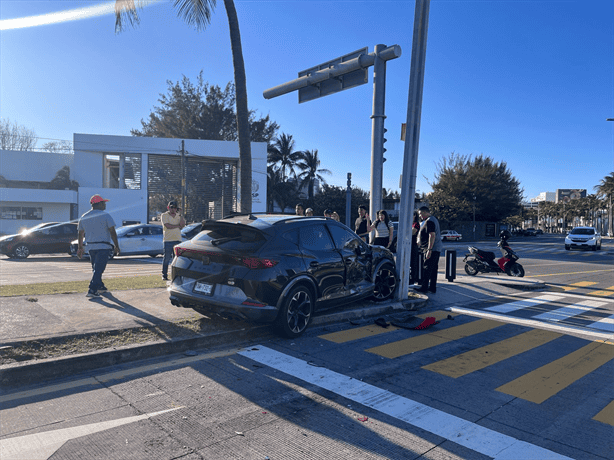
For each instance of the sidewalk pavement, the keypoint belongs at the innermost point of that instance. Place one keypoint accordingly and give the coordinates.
(73, 316)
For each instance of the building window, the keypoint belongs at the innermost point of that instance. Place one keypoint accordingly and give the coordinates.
(21, 213)
(128, 177)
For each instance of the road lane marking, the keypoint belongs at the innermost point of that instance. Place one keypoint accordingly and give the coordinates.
(606, 415)
(373, 330)
(482, 357)
(521, 304)
(569, 311)
(422, 342)
(573, 273)
(41, 446)
(548, 380)
(606, 292)
(563, 328)
(605, 324)
(462, 432)
(573, 286)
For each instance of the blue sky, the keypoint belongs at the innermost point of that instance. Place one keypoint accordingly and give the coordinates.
(529, 83)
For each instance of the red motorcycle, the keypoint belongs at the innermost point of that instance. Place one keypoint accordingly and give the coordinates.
(479, 261)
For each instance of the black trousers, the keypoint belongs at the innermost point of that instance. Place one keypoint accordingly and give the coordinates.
(429, 275)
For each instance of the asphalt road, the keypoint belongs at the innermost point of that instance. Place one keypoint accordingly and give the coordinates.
(499, 379)
(61, 267)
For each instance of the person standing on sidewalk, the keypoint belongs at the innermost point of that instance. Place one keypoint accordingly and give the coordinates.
(414, 259)
(362, 224)
(172, 223)
(97, 227)
(429, 240)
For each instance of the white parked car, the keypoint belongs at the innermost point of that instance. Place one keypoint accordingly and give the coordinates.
(583, 237)
(139, 239)
(450, 235)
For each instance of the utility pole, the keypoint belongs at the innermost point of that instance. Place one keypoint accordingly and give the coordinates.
(412, 138)
(183, 177)
(348, 201)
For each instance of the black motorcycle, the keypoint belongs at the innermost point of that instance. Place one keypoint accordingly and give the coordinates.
(479, 261)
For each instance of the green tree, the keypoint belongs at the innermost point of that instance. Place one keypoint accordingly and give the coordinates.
(280, 191)
(201, 111)
(282, 156)
(605, 190)
(334, 197)
(460, 183)
(309, 165)
(198, 13)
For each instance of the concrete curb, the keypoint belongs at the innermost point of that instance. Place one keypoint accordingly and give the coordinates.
(37, 371)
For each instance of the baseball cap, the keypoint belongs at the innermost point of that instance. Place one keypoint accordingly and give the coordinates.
(328, 211)
(97, 199)
(172, 204)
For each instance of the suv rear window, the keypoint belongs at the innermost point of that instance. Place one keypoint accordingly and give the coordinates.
(232, 237)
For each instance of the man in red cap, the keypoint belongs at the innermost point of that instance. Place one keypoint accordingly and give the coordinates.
(97, 227)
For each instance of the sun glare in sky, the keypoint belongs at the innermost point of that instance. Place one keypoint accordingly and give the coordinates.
(60, 16)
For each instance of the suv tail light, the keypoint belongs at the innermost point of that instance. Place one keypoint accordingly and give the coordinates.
(256, 262)
(249, 262)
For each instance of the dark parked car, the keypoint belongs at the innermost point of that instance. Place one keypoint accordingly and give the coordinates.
(190, 231)
(278, 268)
(46, 238)
(530, 232)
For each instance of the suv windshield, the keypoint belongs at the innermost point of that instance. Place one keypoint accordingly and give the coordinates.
(583, 231)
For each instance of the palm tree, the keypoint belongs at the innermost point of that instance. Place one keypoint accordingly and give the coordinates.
(605, 189)
(197, 13)
(309, 165)
(280, 192)
(282, 155)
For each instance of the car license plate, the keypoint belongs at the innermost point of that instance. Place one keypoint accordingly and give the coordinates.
(203, 288)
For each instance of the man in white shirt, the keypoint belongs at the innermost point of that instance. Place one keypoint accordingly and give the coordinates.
(172, 223)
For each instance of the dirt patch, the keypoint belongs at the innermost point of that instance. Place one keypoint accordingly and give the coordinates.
(87, 343)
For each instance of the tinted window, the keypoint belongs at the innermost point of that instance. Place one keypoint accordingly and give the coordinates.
(156, 230)
(291, 236)
(344, 239)
(69, 229)
(315, 238)
(232, 237)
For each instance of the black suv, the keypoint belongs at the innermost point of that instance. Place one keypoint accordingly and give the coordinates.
(278, 268)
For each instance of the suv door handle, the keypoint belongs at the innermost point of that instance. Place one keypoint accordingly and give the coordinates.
(313, 263)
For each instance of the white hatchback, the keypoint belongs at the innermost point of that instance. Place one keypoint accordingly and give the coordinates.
(583, 237)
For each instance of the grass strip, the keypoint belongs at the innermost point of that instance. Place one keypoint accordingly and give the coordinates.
(66, 287)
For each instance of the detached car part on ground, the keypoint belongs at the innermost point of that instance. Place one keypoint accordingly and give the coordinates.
(278, 269)
(45, 238)
(583, 238)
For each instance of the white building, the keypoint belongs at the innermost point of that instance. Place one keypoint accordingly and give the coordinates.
(544, 196)
(129, 171)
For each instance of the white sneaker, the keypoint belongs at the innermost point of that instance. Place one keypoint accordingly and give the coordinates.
(92, 294)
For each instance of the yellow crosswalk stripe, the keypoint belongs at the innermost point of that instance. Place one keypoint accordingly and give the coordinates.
(573, 286)
(606, 415)
(372, 330)
(422, 342)
(477, 359)
(548, 380)
(606, 292)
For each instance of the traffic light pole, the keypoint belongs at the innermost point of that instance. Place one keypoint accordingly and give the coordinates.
(377, 131)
